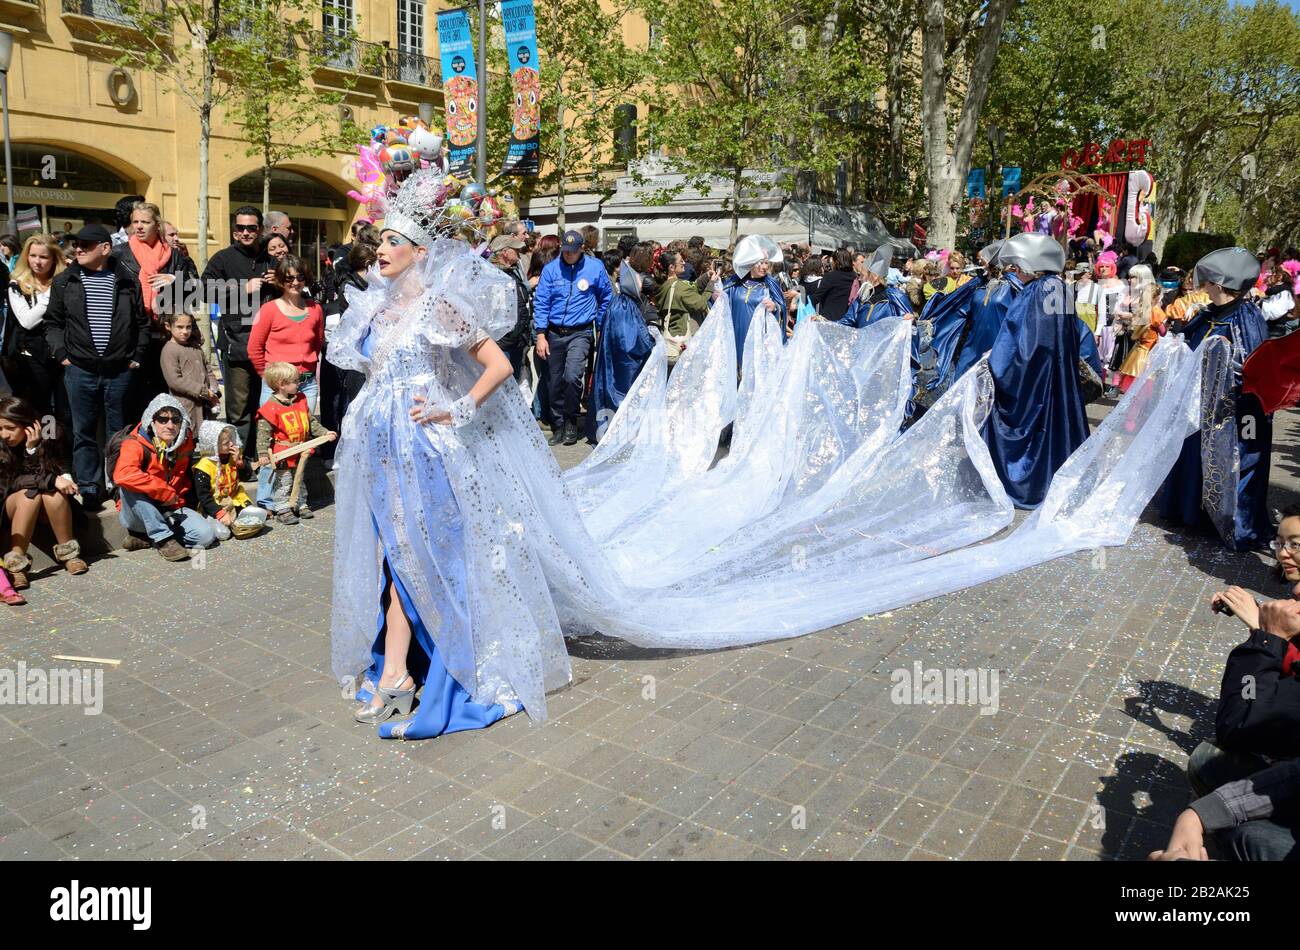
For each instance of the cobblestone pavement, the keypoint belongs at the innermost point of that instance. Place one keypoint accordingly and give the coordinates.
(223, 736)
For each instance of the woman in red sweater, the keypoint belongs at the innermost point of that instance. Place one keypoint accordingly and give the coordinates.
(288, 329)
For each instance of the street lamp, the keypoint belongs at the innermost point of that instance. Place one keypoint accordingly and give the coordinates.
(482, 93)
(6, 54)
(996, 137)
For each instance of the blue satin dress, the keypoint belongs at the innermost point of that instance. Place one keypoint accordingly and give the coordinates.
(898, 297)
(988, 311)
(622, 350)
(444, 705)
(743, 296)
(937, 344)
(863, 312)
(1038, 417)
(1180, 499)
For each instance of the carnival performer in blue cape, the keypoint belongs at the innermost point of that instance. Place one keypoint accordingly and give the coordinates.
(941, 330)
(622, 349)
(1236, 437)
(988, 310)
(750, 285)
(1038, 417)
(875, 300)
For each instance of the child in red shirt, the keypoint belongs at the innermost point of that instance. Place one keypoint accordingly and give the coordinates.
(283, 421)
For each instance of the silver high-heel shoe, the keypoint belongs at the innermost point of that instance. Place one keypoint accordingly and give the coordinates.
(395, 702)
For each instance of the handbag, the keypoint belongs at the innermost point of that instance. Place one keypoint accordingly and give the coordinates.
(674, 344)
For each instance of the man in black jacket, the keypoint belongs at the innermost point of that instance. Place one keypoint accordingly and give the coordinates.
(1247, 786)
(230, 280)
(1258, 719)
(505, 255)
(97, 329)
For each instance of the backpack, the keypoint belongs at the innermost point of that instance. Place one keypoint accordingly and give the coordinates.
(114, 449)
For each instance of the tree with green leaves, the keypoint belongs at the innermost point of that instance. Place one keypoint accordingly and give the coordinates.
(184, 42)
(585, 70)
(947, 162)
(200, 48)
(1216, 103)
(284, 115)
(1215, 87)
(745, 94)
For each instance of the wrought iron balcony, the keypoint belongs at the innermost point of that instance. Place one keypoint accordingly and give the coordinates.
(352, 56)
(241, 31)
(412, 68)
(110, 11)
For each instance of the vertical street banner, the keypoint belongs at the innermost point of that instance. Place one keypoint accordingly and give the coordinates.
(459, 90)
(1010, 180)
(523, 153)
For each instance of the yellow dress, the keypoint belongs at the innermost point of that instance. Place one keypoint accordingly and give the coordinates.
(225, 483)
(1145, 337)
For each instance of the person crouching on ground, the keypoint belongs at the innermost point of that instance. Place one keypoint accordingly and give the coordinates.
(1257, 726)
(33, 487)
(217, 475)
(152, 473)
(282, 422)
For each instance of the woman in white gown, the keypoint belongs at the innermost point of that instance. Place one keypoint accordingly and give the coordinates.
(463, 556)
(432, 585)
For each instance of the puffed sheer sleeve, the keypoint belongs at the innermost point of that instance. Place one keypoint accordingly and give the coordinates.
(345, 345)
(471, 300)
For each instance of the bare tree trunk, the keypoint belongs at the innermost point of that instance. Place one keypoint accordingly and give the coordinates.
(934, 115)
(266, 184)
(899, 29)
(736, 175)
(946, 171)
(1196, 220)
(267, 164)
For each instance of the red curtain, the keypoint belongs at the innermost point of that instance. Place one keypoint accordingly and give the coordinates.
(1087, 206)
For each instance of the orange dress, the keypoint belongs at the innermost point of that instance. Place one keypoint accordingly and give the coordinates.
(1136, 361)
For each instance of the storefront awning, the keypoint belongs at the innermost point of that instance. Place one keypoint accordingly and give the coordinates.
(832, 226)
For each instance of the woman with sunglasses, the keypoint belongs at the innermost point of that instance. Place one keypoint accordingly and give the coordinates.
(288, 329)
(1286, 548)
(1240, 799)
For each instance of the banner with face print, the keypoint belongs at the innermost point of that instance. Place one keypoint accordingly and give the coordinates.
(523, 153)
(459, 90)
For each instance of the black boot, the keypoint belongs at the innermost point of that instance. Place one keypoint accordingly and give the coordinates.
(557, 434)
(571, 435)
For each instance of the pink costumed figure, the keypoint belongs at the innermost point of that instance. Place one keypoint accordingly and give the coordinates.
(1292, 269)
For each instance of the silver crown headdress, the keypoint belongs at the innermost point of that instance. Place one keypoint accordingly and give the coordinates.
(416, 210)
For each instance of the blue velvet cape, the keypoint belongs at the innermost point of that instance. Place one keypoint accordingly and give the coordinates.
(623, 348)
(865, 311)
(935, 354)
(1038, 417)
(988, 311)
(1180, 499)
(744, 295)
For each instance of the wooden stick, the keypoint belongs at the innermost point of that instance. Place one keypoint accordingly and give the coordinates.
(89, 659)
(298, 449)
(297, 482)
